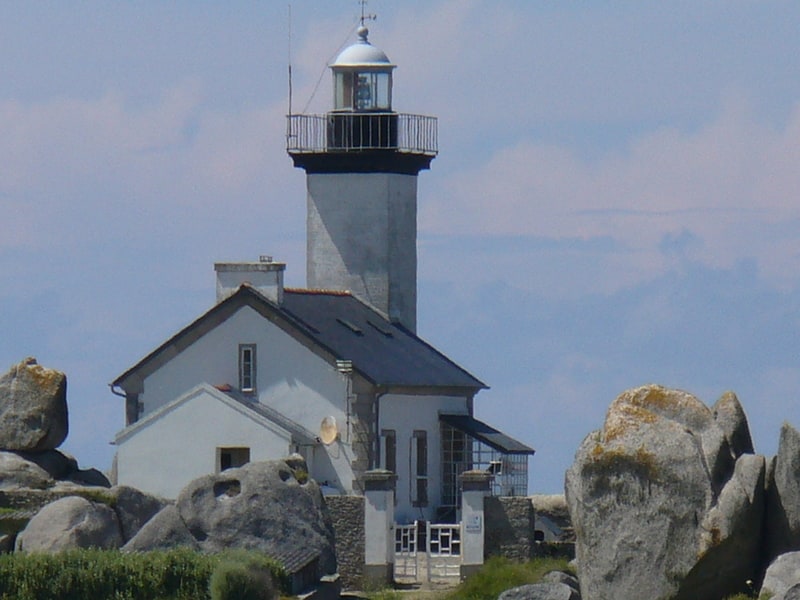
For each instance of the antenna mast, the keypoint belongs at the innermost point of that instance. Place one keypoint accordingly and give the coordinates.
(365, 16)
(289, 52)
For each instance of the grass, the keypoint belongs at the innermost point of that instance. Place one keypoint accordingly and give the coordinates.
(179, 574)
(496, 576)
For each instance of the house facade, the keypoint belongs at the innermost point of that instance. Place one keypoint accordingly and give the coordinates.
(334, 372)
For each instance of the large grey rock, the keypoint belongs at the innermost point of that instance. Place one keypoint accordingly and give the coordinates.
(660, 503)
(793, 593)
(269, 506)
(782, 574)
(134, 508)
(71, 522)
(164, 531)
(33, 407)
(561, 577)
(89, 477)
(17, 472)
(782, 527)
(57, 464)
(540, 591)
(729, 415)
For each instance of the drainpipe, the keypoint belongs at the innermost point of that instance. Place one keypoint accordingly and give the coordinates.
(378, 397)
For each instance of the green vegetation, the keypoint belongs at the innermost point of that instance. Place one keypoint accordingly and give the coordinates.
(496, 576)
(243, 577)
(500, 574)
(179, 574)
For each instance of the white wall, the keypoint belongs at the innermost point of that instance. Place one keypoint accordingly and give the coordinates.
(404, 414)
(163, 455)
(286, 370)
(290, 379)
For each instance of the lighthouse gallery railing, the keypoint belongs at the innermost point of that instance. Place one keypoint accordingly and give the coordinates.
(346, 132)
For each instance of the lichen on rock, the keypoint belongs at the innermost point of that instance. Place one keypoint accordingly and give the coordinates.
(33, 407)
(660, 502)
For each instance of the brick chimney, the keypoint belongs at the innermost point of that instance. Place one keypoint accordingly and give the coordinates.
(265, 276)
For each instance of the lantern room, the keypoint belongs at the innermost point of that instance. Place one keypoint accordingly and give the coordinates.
(362, 78)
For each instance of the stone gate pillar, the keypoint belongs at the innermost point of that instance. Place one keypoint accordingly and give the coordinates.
(379, 526)
(475, 486)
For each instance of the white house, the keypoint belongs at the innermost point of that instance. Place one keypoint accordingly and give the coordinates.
(335, 372)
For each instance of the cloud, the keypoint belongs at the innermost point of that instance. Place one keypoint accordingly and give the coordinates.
(720, 187)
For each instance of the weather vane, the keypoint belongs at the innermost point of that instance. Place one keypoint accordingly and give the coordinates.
(365, 16)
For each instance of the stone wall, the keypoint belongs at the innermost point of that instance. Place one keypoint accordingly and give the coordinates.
(347, 516)
(509, 528)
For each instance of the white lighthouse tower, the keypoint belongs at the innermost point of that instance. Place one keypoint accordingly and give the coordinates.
(361, 161)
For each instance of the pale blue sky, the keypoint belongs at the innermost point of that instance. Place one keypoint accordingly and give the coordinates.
(614, 203)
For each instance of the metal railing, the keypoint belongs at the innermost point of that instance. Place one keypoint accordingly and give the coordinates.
(352, 132)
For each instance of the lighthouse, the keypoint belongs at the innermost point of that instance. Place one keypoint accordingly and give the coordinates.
(361, 161)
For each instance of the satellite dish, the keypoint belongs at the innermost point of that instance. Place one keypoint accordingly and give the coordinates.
(328, 431)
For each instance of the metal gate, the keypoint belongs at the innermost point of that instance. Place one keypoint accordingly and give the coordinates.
(426, 553)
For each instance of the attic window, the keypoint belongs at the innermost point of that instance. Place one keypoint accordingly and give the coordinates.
(381, 329)
(351, 326)
(247, 368)
(230, 458)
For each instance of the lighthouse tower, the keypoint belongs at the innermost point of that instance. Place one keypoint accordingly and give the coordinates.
(361, 161)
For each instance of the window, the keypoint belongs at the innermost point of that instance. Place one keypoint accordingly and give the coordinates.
(230, 458)
(389, 450)
(247, 368)
(419, 468)
(456, 453)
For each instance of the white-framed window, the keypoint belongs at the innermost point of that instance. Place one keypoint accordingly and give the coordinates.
(247, 368)
(418, 456)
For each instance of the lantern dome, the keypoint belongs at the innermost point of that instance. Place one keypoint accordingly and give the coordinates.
(362, 54)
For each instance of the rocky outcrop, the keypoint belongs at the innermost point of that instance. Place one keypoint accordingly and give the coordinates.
(17, 473)
(793, 593)
(563, 578)
(730, 416)
(164, 531)
(663, 499)
(134, 509)
(44, 470)
(68, 523)
(540, 591)
(33, 407)
(782, 528)
(269, 506)
(782, 575)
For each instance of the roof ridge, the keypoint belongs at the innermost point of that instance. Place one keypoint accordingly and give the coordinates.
(317, 291)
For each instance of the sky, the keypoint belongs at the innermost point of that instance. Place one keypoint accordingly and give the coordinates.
(615, 200)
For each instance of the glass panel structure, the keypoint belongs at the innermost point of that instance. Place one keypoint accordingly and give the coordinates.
(461, 452)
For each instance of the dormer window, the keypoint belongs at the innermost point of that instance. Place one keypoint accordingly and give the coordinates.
(247, 368)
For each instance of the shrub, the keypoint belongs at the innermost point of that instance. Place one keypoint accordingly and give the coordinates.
(242, 575)
(179, 574)
(237, 581)
(499, 574)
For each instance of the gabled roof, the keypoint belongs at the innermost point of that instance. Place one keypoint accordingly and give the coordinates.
(249, 408)
(335, 324)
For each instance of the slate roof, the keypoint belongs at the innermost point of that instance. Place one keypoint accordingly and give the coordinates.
(486, 434)
(336, 323)
(384, 352)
